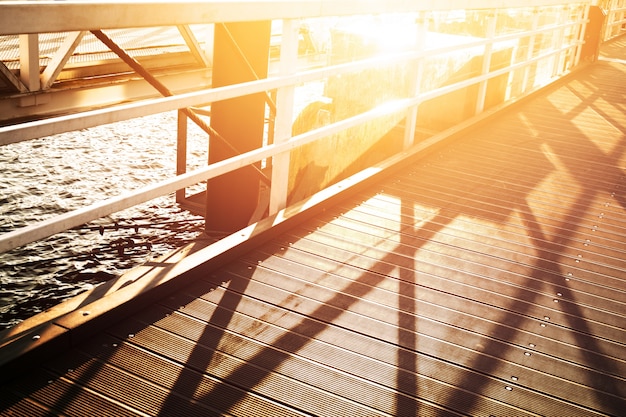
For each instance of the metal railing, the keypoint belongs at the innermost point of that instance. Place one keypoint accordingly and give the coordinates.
(615, 23)
(513, 51)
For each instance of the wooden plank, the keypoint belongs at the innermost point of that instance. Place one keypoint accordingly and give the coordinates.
(538, 227)
(448, 261)
(63, 397)
(346, 310)
(439, 305)
(514, 234)
(355, 348)
(270, 347)
(156, 380)
(492, 209)
(516, 272)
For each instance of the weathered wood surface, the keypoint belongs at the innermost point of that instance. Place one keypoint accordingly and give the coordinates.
(487, 279)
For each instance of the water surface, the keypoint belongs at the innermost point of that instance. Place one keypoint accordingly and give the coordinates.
(44, 177)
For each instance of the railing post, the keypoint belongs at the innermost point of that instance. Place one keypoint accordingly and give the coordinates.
(284, 116)
(557, 67)
(486, 67)
(616, 19)
(411, 118)
(580, 34)
(531, 49)
(181, 151)
(608, 29)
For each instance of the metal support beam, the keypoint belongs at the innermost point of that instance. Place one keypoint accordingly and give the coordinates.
(19, 17)
(12, 79)
(62, 55)
(29, 61)
(590, 50)
(232, 198)
(194, 46)
(246, 63)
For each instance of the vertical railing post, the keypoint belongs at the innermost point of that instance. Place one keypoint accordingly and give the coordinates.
(608, 29)
(557, 68)
(411, 118)
(284, 116)
(29, 61)
(616, 17)
(181, 151)
(531, 49)
(620, 17)
(580, 37)
(486, 67)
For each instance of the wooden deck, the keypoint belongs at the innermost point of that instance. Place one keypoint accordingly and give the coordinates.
(486, 279)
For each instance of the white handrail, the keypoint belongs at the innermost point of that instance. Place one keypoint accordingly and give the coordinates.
(615, 20)
(40, 128)
(72, 219)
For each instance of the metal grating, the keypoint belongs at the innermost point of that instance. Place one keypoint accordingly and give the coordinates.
(139, 42)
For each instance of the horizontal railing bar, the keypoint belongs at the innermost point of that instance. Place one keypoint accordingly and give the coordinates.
(618, 22)
(83, 120)
(480, 78)
(78, 217)
(27, 17)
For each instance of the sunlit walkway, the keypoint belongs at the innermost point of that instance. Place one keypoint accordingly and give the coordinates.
(486, 278)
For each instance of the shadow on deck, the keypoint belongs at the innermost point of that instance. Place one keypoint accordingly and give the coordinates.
(486, 278)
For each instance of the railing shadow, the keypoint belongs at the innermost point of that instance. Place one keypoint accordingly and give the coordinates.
(548, 259)
(547, 274)
(496, 202)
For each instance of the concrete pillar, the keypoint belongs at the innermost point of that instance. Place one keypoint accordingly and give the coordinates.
(232, 198)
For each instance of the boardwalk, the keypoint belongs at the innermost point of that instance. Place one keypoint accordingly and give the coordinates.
(486, 278)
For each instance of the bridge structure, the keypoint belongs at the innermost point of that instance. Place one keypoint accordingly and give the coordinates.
(436, 228)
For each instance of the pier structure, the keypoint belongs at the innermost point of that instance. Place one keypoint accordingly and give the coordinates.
(439, 230)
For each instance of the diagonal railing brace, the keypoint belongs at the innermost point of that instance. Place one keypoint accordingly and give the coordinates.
(161, 88)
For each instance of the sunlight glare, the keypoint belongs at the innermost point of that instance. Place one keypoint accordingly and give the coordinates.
(394, 33)
(385, 34)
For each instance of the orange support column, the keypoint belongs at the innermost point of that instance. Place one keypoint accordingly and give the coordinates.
(241, 53)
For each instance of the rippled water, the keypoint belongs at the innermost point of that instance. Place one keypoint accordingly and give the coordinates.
(49, 176)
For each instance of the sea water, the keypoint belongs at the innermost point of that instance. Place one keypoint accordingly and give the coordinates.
(44, 177)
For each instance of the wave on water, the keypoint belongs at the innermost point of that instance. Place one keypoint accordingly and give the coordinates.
(49, 176)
